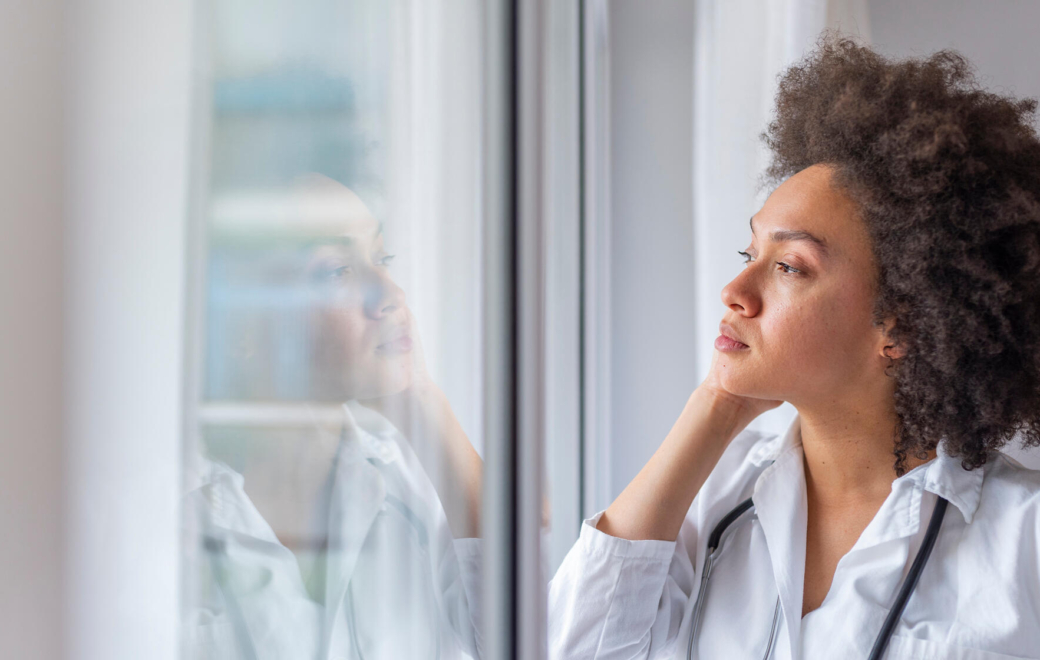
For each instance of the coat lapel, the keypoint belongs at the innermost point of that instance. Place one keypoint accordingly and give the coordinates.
(782, 509)
(260, 588)
(358, 495)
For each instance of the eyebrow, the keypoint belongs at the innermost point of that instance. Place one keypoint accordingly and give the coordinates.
(781, 235)
(344, 241)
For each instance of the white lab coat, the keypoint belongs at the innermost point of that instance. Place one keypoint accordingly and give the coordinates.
(397, 584)
(978, 597)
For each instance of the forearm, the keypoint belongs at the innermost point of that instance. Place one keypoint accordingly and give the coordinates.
(463, 476)
(655, 503)
(447, 456)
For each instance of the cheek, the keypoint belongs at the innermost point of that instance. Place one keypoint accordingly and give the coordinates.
(808, 347)
(807, 337)
(827, 339)
(342, 332)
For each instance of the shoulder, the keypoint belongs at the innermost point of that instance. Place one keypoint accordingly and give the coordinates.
(749, 453)
(1010, 488)
(997, 555)
(754, 445)
(203, 474)
(1006, 523)
(733, 478)
(215, 496)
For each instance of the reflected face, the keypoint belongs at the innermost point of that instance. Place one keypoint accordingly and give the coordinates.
(362, 330)
(803, 304)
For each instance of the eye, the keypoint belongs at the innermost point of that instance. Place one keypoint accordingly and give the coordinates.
(341, 272)
(385, 260)
(787, 268)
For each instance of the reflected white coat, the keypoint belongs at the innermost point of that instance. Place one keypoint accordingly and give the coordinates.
(397, 584)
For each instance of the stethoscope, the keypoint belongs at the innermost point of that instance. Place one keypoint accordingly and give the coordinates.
(894, 614)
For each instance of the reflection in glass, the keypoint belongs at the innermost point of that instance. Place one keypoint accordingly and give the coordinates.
(353, 530)
(332, 494)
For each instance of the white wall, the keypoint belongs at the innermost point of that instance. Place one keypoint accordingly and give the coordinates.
(93, 118)
(653, 356)
(997, 36)
(127, 164)
(31, 266)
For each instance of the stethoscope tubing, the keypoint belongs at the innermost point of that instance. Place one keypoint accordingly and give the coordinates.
(910, 583)
(894, 614)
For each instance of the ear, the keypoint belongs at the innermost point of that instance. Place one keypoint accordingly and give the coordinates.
(886, 347)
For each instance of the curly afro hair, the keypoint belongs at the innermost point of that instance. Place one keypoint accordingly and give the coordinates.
(947, 179)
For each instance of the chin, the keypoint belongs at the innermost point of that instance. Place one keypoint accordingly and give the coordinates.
(393, 379)
(376, 381)
(395, 385)
(753, 386)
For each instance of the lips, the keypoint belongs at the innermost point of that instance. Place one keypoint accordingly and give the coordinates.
(729, 339)
(399, 342)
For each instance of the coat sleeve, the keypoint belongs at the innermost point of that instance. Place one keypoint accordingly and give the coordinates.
(615, 599)
(470, 553)
(463, 596)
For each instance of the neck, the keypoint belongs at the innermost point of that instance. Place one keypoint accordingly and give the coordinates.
(848, 454)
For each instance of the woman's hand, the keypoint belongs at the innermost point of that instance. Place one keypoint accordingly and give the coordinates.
(416, 409)
(744, 409)
(422, 413)
(655, 504)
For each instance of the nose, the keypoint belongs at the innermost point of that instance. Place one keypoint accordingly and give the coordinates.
(741, 295)
(382, 296)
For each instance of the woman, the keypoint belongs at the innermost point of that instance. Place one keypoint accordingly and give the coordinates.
(361, 543)
(891, 294)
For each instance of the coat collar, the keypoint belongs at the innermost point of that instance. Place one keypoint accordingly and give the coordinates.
(781, 507)
(942, 476)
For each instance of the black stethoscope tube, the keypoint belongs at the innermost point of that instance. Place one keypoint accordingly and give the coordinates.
(894, 614)
(910, 583)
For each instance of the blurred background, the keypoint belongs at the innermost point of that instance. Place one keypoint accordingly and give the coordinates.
(167, 168)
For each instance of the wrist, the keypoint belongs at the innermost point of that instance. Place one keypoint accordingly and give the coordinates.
(726, 414)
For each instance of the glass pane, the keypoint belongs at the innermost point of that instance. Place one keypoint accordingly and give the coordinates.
(333, 469)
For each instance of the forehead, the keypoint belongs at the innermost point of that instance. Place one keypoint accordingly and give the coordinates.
(810, 202)
(327, 211)
(365, 238)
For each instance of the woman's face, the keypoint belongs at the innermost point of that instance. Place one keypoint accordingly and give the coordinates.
(803, 302)
(362, 330)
